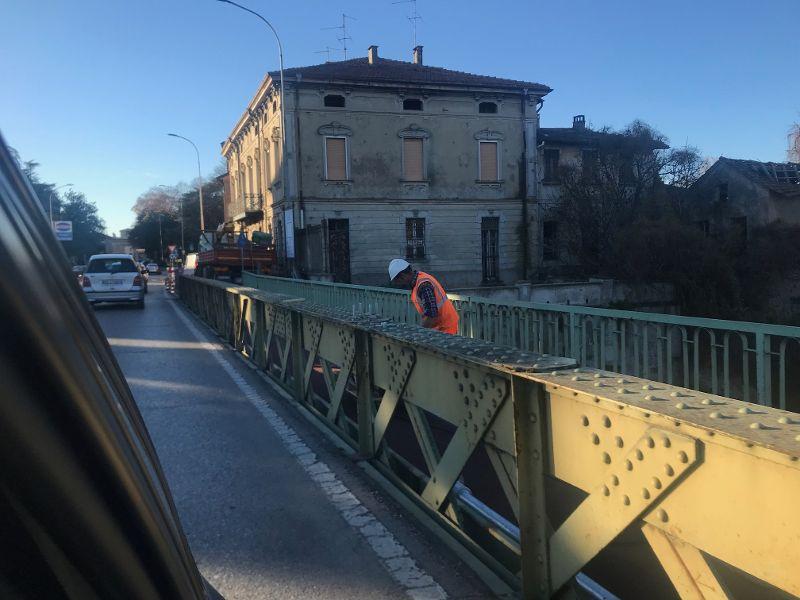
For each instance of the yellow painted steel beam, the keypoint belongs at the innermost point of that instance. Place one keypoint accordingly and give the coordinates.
(738, 504)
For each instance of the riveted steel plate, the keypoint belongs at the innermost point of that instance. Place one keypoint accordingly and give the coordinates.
(494, 355)
(754, 424)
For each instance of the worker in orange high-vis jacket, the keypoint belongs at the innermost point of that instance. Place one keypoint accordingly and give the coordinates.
(427, 296)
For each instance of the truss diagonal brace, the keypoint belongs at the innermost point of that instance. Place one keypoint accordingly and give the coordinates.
(481, 404)
(634, 485)
(402, 362)
(314, 330)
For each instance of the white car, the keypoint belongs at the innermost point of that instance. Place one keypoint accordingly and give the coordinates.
(154, 268)
(113, 278)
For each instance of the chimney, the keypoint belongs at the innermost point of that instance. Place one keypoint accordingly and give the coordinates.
(417, 55)
(373, 55)
(579, 122)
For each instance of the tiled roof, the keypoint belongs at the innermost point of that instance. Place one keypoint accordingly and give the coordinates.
(395, 71)
(583, 136)
(781, 178)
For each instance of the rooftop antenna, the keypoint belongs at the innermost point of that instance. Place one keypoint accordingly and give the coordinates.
(327, 53)
(413, 18)
(343, 29)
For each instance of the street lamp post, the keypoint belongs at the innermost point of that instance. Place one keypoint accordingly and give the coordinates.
(199, 180)
(51, 200)
(283, 105)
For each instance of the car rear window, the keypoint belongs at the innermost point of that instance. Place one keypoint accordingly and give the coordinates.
(111, 265)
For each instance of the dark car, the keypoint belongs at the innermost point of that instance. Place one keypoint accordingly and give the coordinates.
(85, 510)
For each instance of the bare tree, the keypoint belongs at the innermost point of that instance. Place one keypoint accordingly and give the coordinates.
(614, 184)
(156, 200)
(597, 202)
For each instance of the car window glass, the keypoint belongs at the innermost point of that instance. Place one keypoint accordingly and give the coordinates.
(111, 265)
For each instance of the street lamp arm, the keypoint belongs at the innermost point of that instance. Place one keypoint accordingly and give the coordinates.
(199, 178)
(252, 12)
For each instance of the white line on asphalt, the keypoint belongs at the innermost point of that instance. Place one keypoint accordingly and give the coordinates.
(392, 554)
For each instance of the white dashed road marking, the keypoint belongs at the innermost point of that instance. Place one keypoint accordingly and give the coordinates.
(392, 554)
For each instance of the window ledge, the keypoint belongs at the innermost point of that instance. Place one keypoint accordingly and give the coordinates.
(343, 182)
(408, 182)
(483, 183)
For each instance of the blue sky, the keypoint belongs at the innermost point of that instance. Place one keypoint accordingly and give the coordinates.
(90, 87)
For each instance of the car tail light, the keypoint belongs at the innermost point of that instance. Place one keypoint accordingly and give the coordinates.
(86, 281)
(137, 280)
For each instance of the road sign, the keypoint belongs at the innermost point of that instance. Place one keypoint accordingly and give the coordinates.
(171, 248)
(242, 241)
(63, 230)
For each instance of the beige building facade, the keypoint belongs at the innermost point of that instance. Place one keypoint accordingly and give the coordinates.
(387, 158)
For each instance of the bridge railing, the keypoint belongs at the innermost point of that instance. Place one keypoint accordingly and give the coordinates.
(747, 361)
(542, 471)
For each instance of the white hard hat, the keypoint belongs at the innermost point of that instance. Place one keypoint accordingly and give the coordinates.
(397, 266)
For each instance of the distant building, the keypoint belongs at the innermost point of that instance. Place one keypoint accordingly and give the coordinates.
(118, 245)
(387, 158)
(735, 195)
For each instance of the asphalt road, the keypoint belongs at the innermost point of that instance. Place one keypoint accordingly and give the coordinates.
(259, 525)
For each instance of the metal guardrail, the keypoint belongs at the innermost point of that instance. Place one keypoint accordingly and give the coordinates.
(542, 472)
(747, 361)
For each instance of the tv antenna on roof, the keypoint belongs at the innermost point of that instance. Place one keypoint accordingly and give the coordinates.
(343, 29)
(327, 52)
(414, 17)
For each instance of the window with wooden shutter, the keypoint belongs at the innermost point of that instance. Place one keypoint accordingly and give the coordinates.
(488, 161)
(412, 159)
(336, 159)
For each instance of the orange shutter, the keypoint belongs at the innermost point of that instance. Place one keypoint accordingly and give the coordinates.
(336, 156)
(412, 159)
(488, 157)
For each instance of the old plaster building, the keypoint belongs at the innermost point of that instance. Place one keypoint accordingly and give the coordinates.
(386, 158)
(735, 195)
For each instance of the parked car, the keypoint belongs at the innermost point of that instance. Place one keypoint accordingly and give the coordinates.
(113, 278)
(154, 268)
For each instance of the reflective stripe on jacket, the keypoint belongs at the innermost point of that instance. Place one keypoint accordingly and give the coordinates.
(447, 321)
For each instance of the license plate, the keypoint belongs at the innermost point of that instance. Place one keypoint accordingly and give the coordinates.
(108, 282)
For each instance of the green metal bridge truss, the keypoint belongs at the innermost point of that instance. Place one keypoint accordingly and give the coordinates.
(542, 471)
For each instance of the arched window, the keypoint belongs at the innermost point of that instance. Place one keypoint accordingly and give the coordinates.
(412, 104)
(487, 107)
(334, 100)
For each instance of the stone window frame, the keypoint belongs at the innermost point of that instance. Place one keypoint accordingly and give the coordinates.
(335, 130)
(483, 136)
(416, 132)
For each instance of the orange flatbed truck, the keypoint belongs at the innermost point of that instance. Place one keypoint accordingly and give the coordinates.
(223, 254)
